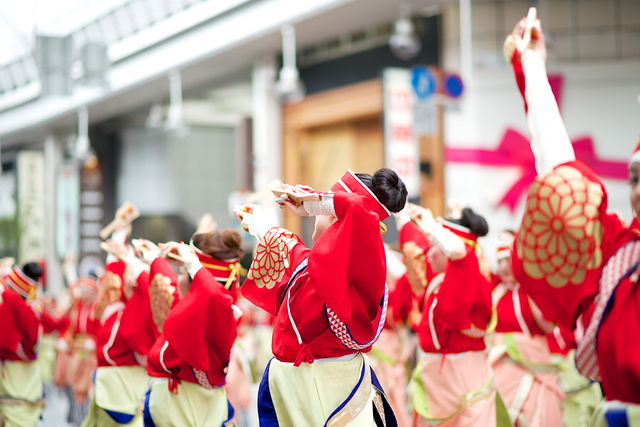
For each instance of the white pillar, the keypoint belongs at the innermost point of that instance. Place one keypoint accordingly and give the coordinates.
(466, 48)
(267, 125)
(52, 155)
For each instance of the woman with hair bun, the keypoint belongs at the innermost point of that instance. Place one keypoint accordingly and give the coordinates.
(330, 302)
(452, 384)
(188, 363)
(219, 251)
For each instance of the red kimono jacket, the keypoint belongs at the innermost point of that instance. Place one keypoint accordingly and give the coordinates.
(197, 334)
(518, 313)
(54, 322)
(456, 308)
(21, 327)
(335, 292)
(81, 321)
(570, 250)
(123, 339)
(400, 303)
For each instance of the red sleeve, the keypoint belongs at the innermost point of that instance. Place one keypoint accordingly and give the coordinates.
(462, 288)
(162, 266)
(28, 323)
(201, 327)
(400, 300)
(564, 241)
(136, 325)
(349, 254)
(277, 257)
(52, 323)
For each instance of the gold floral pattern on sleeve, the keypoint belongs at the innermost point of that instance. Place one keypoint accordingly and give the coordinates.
(110, 291)
(561, 234)
(272, 257)
(414, 259)
(161, 298)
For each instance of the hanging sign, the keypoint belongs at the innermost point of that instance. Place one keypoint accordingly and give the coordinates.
(401, 148)
(31, 209)
(67, 211)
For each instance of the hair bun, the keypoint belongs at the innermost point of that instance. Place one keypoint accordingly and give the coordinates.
(32, 270)
(388, 188)
(231, 238)
(474, 222)
(222, 245)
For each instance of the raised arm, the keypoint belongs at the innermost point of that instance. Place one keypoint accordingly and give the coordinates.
(550, 143)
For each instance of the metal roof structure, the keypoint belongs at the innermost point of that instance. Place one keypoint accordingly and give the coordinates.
(146, 39)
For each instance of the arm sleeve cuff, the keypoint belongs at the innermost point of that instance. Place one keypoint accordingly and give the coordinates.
(444, 238)
(320, 207)
(193, 268)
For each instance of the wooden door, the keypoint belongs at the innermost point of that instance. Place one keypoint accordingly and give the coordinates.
(333, 149)
(328, 133)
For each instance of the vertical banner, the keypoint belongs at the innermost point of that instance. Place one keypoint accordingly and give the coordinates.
(67, 211)
(401, 148)
(91, 217)
(31, 207)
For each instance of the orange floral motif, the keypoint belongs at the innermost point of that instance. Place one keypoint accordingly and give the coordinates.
(414, 259)
(110, 292)
(161, 297)
(561, 234)
(272, 257)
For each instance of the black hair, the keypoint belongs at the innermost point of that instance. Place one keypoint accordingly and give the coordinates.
(32, 270)
(388, 188)
(474, 222)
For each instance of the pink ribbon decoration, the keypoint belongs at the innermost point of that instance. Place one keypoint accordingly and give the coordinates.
(514, 150)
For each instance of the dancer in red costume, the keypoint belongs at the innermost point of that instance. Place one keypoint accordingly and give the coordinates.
(188, 362)
(452, 384)
(21, 387)
(330, 302)
(576, 260)
(76, 358)
(523, 370)
(123, 339)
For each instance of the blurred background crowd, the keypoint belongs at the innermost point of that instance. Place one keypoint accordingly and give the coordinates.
(187, 107)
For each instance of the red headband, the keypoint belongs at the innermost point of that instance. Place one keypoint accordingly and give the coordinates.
(470, 239)
(21, 283)
(351, 184)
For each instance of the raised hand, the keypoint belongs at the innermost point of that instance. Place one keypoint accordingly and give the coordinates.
(527, 34)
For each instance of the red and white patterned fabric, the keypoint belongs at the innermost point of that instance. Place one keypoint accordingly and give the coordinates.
(203, 379)
(342, 331)
(618, 266)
